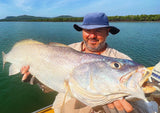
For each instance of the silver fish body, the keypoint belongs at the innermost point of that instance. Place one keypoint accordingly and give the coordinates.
(50, 65)
(92, 79)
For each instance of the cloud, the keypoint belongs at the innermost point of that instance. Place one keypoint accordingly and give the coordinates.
(93, 6)
(56, 7)
(25, 5)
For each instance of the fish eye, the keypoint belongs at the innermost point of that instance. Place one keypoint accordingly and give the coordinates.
(116, 65)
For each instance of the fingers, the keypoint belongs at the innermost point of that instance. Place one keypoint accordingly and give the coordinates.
(127, 106)
(110, 106)
(24, 69)
(25, 76)
(121, 106)
(118, 105)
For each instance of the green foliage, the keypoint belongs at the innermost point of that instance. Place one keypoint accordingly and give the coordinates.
(135, 18)
(67, 18)
(63, 19)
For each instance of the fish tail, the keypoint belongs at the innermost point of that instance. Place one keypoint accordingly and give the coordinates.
(4, 58)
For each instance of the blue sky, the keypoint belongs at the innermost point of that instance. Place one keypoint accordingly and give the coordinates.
(53, 8)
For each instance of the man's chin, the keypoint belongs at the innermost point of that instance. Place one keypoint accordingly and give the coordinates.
(93, 48)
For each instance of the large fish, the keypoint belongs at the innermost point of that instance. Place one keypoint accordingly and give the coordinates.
(92, 79)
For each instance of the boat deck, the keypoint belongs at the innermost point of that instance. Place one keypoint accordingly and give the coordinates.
(47, 109)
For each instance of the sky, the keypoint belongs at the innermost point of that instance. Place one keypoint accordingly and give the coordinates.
(78, 8)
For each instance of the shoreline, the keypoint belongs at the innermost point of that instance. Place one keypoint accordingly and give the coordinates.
(77, 21)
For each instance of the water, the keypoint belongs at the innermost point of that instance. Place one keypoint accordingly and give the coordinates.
(141, 41)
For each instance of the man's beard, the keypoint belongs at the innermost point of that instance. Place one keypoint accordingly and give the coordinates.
(99, 48)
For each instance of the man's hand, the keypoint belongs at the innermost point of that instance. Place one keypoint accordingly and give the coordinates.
(121, 106)
(25, 72)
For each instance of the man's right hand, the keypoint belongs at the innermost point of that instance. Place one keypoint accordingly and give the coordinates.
(25, 72)
(121, 106)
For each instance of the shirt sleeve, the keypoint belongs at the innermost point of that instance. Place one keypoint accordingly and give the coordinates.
(76, 46)
(110, 52)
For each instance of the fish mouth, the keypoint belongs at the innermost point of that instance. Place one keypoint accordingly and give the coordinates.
(143, 77)
(146, 73)
(141, 74)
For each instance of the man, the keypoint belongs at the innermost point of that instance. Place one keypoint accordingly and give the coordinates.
(95, 29)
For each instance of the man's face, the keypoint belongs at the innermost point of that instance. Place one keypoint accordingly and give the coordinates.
(94, 39)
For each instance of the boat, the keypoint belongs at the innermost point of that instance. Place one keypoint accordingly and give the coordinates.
(47, 109)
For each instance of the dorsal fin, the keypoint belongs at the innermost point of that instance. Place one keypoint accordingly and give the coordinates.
(27, 41)
(57, 44)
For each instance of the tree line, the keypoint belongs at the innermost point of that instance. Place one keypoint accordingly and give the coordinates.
(110, 18)
(135, 18)
(61, 19)
(79, 19)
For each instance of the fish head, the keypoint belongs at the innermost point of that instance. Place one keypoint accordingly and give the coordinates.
(128, 70)
(109, 76)
(102, 81)
(126, 74)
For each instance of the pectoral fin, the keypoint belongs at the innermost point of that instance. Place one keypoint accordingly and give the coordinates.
(13, 69)
(60, 100)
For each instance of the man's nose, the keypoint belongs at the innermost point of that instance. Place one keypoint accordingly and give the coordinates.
(92, 35)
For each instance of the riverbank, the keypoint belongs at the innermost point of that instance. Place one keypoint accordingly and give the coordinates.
(128, 18)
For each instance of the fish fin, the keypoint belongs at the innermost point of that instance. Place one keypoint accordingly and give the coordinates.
(57, 44)
(59, 101)
(4, 58)
(13, 70)
(27, 41)
(65, 96)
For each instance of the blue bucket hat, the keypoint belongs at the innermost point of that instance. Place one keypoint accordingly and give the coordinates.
(94, 21)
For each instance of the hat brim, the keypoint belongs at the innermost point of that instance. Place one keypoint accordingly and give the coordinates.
(113, 30)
